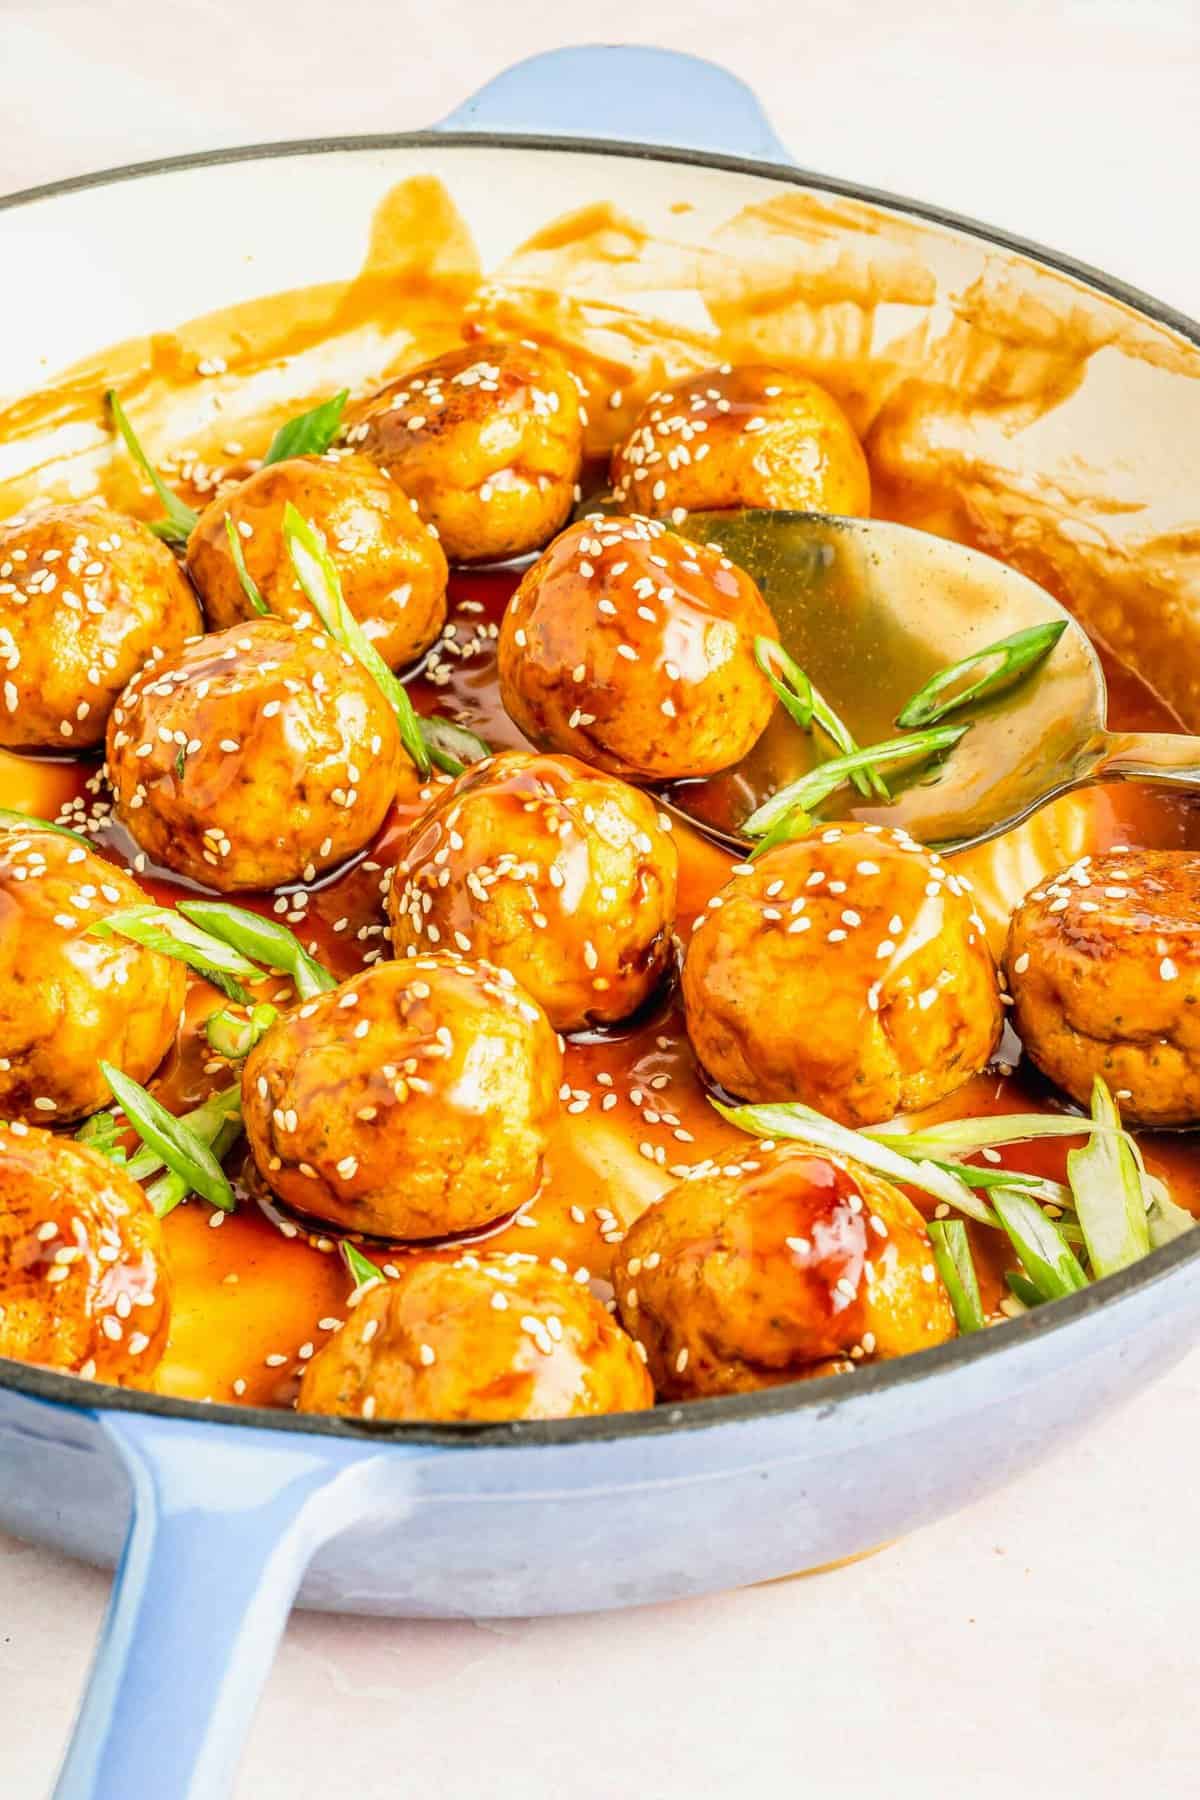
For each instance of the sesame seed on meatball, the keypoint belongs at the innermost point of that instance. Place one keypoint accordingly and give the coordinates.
(483, 1338)
(1104, 967)
(487, 440)
(633, 649)
(392, 568)
(83, 1281)
(414, 1101)
(848, 970)
(258, 755)
(768, 1268)
(543, 867)
(86, 594)
(751, 436)
(68, 998)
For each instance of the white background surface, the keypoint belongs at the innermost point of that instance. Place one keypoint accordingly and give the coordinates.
(1043, 1642)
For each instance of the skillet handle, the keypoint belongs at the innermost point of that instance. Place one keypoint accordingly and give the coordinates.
(224, 1524)
(623, 91)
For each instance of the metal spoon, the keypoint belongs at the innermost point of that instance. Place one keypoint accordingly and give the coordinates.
(870, 611)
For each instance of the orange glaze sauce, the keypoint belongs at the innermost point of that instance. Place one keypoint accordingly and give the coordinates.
(256, 1292)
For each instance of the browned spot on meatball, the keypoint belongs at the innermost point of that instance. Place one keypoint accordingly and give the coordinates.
(487, 441)
(1104, 967)
(68, 998)
(83, 1281)
(747, 436)
(86, 594)
(485, 1337)
(848, 970)
(772, 1266)
(259, 755)
(562, 876)
(414, 1101)
(633, 649)
(392, 568)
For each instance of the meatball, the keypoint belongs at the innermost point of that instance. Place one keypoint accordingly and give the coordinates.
(848, 970)
(485, 1337)
(412, 1102)
(633, 649)
(488, 442)
(83, 1282)
(1104, 967)
(85, 595)
(67, 998)
(766, 1269)
(750, 436)
(564, 877)
(258, 755)
(392, 568)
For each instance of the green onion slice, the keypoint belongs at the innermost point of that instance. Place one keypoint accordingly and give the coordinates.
(963, 1137)
(235, 1038)
(811, 789)
(318, 576)
(309, 433)
(805, 703)
(1110, 1196)
(1048, 1259)
(180, 521)
(176, 1143)
(102, 1133)
(363, 1271)
(1022, 1287)
(166, 1193)
(161, 928)
(249, 585)
(19, 821)
(791, 1119)
(1019, 655)
(248, 934)
(205, 1121)
(956, 1266)
(452, 748)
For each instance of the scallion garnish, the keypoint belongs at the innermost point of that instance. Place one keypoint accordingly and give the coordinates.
(166, 1193)
(249, 585)
(451, 747)
(19, 821)
(180, 521)
(810, 790)
(250, 935)
(964, 1137)
(318, 576)
(1048, 1259)
(956, 1266)
(791, 1119)
(1019, 655)
(180, 1148)
(101, 1133)
(235, 1038)
(205, 1121)
(162, 929)
(363, 1271)
(1021, 1286)
(309, 433)
(806, 705)
(1110, 1197)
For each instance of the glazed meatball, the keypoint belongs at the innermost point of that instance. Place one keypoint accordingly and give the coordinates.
(488, 442)
(750, 436)
(848, 970)
(392, 568)
(633, 649)
(766, 1269)
(485, 1337)
(83, 1283)
(85, 595)
(412, 1102)
(537, 864)
(1104, 967)
(67, 998)
(259, 755)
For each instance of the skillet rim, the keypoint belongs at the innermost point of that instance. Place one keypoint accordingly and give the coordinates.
(822, 1395)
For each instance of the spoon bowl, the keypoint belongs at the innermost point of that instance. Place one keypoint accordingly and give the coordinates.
(870, 611)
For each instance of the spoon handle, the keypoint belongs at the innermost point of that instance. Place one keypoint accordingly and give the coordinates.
(1162, 757)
